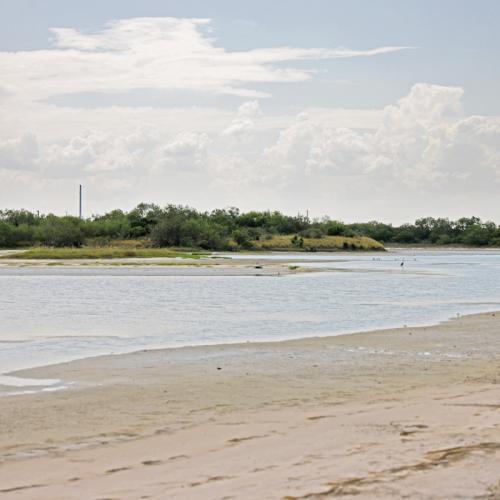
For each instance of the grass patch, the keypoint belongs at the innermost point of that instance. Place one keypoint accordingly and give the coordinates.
(101, 253)
(156, 264)
(325, 244)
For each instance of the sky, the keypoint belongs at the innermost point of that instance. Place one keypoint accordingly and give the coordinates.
(357, 110)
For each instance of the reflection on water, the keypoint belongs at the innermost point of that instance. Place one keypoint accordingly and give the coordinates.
(50, 317)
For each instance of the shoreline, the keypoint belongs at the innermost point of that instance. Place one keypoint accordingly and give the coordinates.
(29, 373)
(368, 415)
(215, 260)
(246, 263)
(243, 265)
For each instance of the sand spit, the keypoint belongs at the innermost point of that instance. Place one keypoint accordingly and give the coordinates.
(404, 413)
(161, 266)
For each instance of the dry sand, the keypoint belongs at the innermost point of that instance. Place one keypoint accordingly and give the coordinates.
(406, 413)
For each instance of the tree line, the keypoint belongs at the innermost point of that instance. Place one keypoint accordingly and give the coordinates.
(224, 229)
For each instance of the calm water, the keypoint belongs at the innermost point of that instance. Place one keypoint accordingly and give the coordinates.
(54, 315)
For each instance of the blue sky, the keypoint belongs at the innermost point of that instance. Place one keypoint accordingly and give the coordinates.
(458, 40)
(26, 25)
(76, 132)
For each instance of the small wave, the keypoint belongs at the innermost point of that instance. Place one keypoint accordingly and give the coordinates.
(11, 381)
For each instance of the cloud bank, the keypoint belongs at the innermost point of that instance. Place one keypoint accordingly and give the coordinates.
(420, 153)
(423, 142)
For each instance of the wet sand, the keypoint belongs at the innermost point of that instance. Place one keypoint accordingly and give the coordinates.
(214, 265)
(403, 413)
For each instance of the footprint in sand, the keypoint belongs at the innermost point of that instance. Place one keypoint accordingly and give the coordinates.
(152, 462)
(235, 441)
(117, 469)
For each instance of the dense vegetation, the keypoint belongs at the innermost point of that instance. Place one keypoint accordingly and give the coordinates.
(107, 252)
(430, 231)
(319, 244)
(228, 229)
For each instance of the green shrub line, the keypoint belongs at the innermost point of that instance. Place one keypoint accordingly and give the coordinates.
(149, 227)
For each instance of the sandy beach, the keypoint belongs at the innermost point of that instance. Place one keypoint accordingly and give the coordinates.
(403, 413)
(249, 250)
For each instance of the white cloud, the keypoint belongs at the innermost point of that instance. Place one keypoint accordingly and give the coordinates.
(244, 123)
(19, 153)
(424, 140)
(424, 105)
(56, 124)
(187, 151)
(94, 152)
(154, 53)
(322, 158)
(140, 152)
(5, 93)
(424, 147)
(249, 109)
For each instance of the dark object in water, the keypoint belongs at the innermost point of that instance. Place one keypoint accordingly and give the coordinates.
(258, 267)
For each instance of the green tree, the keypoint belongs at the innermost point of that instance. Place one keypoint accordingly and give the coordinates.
(61, 232)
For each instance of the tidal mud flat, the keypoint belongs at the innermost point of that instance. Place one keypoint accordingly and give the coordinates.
(211, 265)
(408, 412)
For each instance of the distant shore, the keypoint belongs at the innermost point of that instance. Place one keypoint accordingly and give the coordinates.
(370, 415)
(256, 263)
(440, 248)
(208, 265)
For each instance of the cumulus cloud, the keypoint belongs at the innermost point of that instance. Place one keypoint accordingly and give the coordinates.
(244, 123)
(421, 144)
(19, 153)
(140, 152)
(424, 140)
(155, 53)
(187, 151)
(94, 152)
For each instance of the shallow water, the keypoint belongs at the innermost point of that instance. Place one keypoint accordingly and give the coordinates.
(54, 315)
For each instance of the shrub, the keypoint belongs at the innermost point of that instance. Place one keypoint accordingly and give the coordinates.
(7, 235)
(243, 239)
(297, 241)
(476, 236)
(60, 232)
(179, 231)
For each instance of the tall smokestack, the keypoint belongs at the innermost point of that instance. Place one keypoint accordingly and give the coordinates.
(80, 203)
